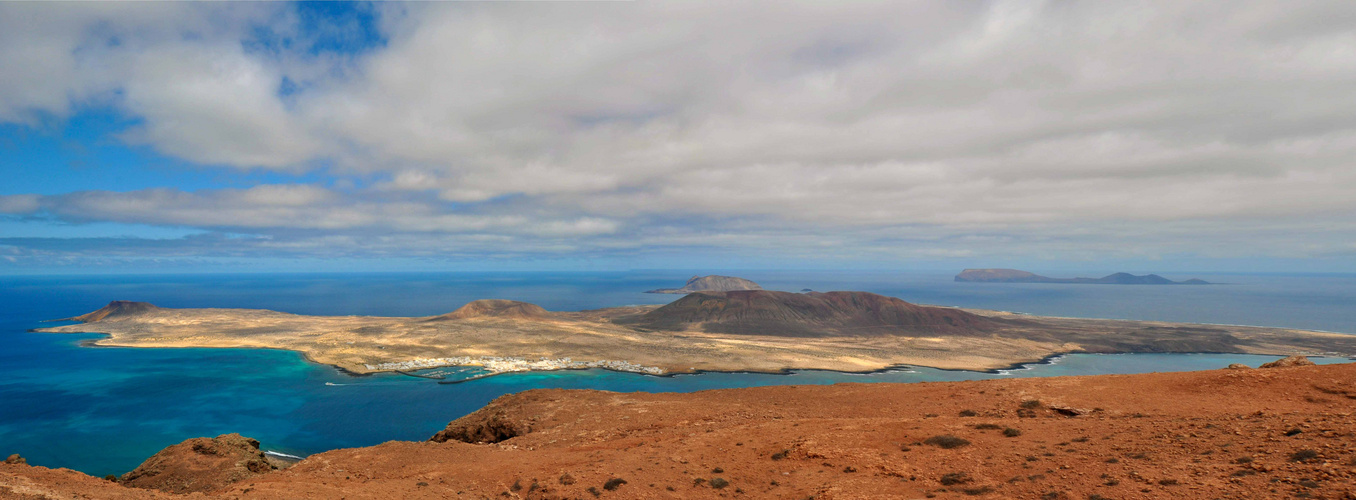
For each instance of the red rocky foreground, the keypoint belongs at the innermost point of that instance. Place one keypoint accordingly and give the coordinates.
(1278, 432)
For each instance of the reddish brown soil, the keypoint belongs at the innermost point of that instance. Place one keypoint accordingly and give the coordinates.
(200, 464)
(1268, 433)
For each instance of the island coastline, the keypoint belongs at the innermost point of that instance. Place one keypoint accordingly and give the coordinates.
(532, 339)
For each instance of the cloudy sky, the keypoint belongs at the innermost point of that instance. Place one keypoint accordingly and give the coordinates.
(1141, 136)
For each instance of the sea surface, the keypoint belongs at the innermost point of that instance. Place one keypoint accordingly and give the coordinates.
(102, 410)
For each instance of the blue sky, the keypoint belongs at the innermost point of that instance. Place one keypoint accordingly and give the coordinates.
(228, 137)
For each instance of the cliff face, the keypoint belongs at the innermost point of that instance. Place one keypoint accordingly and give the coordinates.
(201, 465)
(712, 284)
(765, 312)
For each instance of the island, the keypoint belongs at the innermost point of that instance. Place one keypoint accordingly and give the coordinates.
(712, 284)
(748, 330)
(1018, 276)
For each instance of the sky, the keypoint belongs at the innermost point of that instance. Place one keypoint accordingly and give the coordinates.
(1142, 136)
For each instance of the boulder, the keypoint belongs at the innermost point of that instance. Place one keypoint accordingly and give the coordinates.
(1290, 361)
(15, 459)
(1239, 366)
(200, 465)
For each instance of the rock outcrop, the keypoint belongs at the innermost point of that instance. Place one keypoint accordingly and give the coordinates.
(766, 312)
(487, 425)
(200, 465)
(1289, 361)
(712, 284)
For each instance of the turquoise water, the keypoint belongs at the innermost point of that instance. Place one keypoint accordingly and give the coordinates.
(104, 410)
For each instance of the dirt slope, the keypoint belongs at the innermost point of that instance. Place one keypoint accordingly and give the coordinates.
(1229, 433)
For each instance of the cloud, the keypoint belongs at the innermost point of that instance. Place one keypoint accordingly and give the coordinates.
(214, 104)
(19, 204)
(901, 130)
(271, 208)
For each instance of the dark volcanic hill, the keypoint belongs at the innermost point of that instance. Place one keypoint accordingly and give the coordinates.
(113, 310)
(712, 284)
(1017, 276)
(766, 312)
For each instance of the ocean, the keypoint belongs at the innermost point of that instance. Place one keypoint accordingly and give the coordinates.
(104, 410)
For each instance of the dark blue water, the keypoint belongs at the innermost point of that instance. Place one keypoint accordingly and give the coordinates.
(104, 410)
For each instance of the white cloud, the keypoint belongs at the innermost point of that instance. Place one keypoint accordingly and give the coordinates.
(761, 125)
(19, 203)
(267, 209)
(214, 104)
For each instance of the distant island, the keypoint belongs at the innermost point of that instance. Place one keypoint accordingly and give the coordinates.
(1018, 276)
(712, 284)
(743, 330)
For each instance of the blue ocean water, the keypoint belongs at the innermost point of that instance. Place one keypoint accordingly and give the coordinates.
(104, 410)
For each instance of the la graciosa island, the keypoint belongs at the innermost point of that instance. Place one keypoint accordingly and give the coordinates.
(743, 330)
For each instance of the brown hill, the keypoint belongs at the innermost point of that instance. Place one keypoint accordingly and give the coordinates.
(495, 308)
(712, 283)
(115, 309)
(766, 312)
(200, 464)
